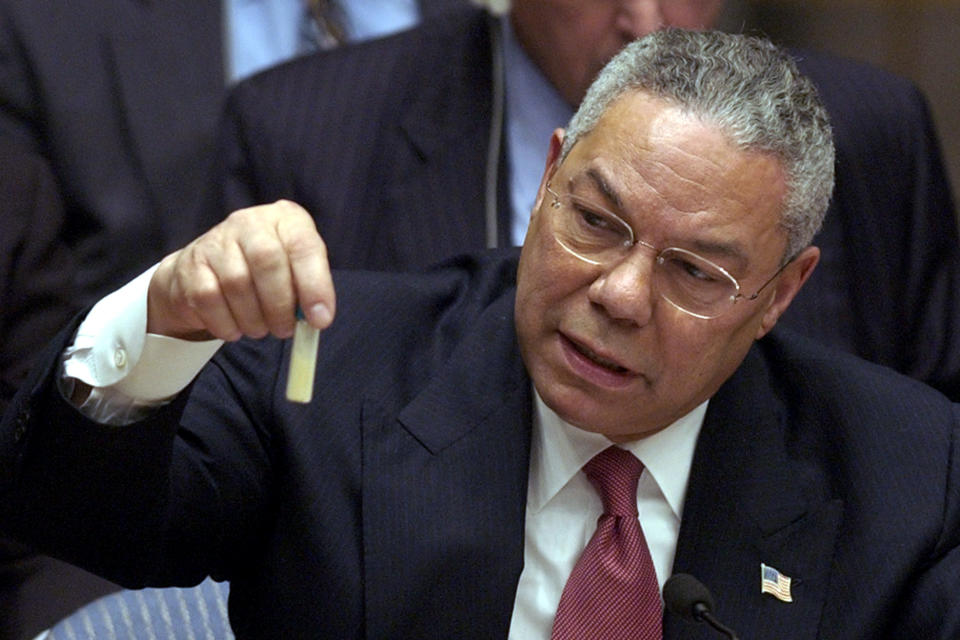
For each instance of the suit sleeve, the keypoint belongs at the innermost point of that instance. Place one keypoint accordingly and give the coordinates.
(164, 501)
(929, 607)
(36, 297)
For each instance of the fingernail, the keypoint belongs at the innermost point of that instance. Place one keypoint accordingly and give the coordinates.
(320, 315)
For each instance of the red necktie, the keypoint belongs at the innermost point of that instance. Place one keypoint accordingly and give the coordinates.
(612, 593)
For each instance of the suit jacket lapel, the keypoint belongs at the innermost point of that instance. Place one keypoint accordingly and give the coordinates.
(752, 500)
(169, 68)
(444, 492)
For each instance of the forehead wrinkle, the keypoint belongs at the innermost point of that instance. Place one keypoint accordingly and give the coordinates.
(682, 207)
(672, 159)
(714, 178)
(671, 139)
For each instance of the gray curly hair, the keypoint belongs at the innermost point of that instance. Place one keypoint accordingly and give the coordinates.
(750, 89)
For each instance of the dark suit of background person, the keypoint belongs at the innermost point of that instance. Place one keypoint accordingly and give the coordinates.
(397, 509)
(36, 298)
(122, 97)
(393, 167)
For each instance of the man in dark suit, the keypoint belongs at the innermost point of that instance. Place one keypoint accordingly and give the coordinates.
(432, 487)
(36, 298)
(122, 98)
(425, 128)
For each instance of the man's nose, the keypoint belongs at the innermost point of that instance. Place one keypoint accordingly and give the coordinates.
(625, 289)
(637, 18)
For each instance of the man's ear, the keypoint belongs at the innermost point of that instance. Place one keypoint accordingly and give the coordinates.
(787, 286)
(553, 161)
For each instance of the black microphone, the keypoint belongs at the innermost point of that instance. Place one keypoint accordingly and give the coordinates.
(688, 598)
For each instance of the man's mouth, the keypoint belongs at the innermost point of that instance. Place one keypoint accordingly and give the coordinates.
(597, 359)
(603, 362)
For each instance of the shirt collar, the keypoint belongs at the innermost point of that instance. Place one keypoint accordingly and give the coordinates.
(559, 450)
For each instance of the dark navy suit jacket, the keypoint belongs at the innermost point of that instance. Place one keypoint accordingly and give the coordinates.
(392, 165)
(392, 506)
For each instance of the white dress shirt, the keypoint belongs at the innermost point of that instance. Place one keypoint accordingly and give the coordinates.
(563, 507)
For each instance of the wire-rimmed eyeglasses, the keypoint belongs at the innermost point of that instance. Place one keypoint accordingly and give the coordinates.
(689, 282)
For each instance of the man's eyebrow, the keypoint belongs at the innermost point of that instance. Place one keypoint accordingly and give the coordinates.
(726, 249)
(600, 181)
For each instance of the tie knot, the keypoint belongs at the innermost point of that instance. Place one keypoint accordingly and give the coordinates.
(614, 473)
(324, 27)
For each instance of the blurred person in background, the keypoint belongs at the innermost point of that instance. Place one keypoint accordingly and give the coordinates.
(122, 98)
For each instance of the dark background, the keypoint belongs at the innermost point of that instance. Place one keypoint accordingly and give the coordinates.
(918, 39)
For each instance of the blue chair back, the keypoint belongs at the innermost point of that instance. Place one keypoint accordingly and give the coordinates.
(196, 613)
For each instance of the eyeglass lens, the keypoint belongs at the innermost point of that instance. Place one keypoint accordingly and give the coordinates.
(686, 280)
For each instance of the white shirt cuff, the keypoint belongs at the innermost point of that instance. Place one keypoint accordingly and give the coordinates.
(113, 350)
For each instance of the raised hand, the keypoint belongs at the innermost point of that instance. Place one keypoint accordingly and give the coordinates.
(245, 277)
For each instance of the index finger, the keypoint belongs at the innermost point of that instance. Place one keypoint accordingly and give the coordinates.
(309, 267)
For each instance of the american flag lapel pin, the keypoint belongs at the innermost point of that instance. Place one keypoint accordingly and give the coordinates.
(775, 583)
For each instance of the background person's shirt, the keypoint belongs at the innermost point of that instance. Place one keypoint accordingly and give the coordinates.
(262, 33)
